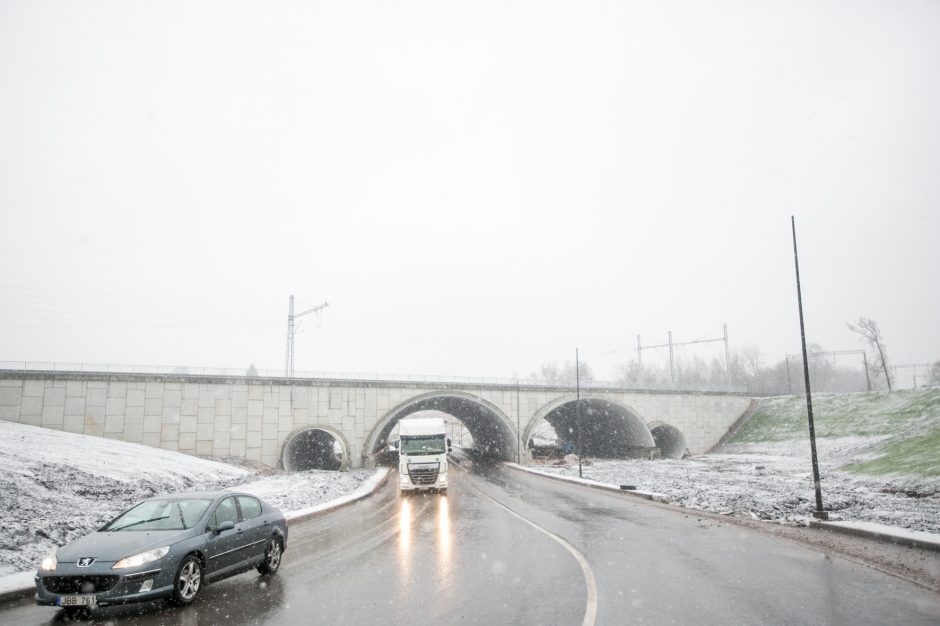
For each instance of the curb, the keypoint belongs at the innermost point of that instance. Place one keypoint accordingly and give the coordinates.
(878, 532)
(22, 584)
(593, 484)
(364, 491)
(19, 585)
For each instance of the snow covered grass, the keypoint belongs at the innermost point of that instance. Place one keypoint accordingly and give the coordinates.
(56, 487)
(767, 487)
(898, 433)
(914, 456)
(879, 457)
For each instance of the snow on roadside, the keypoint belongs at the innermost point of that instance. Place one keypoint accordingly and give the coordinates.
(56, 487)
(769, 487)
(301, 490)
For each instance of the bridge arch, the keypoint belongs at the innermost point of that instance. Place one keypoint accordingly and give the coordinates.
(312, 447)
(490, 427)
(611, 429)
(669, 440)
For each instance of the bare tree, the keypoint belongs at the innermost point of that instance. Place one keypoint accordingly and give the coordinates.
(753, 361)
(935, 374)
(868, 329)
(629, 373)
(550, 373)
(584, 371)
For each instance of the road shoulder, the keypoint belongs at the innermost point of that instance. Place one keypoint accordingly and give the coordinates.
(901, 553)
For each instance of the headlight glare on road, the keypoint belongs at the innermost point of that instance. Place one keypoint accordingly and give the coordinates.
(49, 563)
(142, 558)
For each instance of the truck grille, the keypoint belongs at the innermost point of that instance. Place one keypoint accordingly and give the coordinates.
(423, 473)
(79, 584)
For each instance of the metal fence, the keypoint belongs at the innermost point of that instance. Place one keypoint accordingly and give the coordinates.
(179, 370)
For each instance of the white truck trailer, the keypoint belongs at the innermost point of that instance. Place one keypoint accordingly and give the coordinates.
(422, 455)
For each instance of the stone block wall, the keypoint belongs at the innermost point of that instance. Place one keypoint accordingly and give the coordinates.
(252, 418)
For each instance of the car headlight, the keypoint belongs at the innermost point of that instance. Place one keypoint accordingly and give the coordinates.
(49, 563)
(140, 559)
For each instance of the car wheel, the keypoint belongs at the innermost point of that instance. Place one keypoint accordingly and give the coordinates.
(272, 557)
(188, 581)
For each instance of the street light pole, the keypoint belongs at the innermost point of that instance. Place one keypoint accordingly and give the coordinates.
(819, 513)
(577, 378)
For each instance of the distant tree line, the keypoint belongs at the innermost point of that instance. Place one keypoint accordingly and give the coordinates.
(746, 370)
(551, 373)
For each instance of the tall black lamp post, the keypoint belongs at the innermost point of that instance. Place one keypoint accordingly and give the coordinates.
(819, 513)
(577, 378)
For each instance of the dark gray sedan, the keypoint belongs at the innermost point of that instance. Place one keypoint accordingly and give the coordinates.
(165, 547)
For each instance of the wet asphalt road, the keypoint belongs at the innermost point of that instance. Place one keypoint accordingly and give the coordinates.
(464, 559)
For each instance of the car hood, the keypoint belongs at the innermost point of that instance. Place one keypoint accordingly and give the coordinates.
(114, 546)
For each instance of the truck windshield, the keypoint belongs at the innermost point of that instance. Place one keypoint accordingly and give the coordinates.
(431, 444)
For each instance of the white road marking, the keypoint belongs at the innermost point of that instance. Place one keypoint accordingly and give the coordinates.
(590, 611)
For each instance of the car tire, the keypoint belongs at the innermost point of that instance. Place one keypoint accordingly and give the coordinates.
(188, 581)
(273, 552)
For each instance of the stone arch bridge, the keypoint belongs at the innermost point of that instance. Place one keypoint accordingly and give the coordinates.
(286, 422)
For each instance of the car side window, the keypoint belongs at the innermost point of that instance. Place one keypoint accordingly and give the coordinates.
(225, 512)
(250, 507)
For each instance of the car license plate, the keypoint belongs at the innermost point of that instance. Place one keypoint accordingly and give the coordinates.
(78, 600)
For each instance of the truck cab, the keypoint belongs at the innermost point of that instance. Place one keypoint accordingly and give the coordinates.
(422, 455)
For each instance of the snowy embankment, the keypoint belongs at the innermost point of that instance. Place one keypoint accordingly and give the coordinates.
(766, 486)
(57, 486)
(875, 464)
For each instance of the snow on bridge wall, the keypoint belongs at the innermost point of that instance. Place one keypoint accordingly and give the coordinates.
(252, 418)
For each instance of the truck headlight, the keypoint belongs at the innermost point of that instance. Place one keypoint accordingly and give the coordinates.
(142, 558)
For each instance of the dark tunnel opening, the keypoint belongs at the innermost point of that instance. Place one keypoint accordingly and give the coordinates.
(491, 436)
(313, 448)
(602, 428)
(669, 440)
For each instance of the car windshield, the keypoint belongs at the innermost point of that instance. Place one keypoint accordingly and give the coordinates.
(176, 514)
(433, 444)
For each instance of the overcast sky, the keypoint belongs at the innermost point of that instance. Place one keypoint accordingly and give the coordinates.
(475, 187)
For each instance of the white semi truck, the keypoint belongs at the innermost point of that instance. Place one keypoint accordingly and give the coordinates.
(422, 455)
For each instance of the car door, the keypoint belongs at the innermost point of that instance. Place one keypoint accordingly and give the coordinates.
(254, 526)
(223, 548)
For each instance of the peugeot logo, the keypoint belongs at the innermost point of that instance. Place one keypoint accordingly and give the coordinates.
(85, 561)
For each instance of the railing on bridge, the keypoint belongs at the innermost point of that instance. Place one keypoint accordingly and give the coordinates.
(178, 370)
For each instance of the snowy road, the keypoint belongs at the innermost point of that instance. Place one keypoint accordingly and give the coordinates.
(465, 559)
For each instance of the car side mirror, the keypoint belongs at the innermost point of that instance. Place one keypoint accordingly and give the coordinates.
(226, 525)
